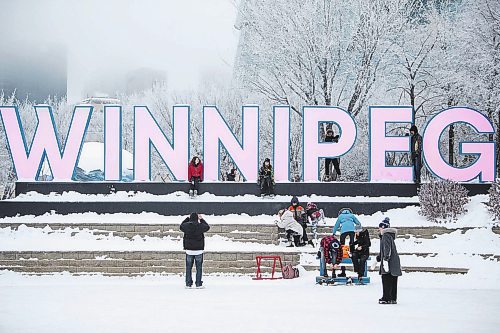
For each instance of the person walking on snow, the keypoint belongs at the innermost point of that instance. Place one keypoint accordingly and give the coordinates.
(416, 153)
(194, 228)
(346, 221)
(195, 175)
(390, 265)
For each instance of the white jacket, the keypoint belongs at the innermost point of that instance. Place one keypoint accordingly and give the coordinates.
(287, 222)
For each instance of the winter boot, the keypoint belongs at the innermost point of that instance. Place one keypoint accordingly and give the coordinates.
(311, 243)
(191, 193)
(342, 274)
(195, 193)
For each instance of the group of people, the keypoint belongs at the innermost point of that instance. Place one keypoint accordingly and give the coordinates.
(331, 250)
(332, 167)
(295, 220)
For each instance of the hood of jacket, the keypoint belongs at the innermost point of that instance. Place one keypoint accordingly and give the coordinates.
(393, 231)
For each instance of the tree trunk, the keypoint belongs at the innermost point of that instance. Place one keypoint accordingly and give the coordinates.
(451, 143)
(498, 145)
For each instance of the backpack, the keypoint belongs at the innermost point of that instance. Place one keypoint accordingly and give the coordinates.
(289, 272)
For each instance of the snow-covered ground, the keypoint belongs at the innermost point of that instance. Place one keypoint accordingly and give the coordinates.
(62, 303)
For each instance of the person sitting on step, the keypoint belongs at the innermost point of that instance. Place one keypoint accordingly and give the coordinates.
(299, 214)
(195, 175)
(292, 227)
(266, 179)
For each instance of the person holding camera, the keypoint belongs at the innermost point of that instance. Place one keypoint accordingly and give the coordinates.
(194, 228)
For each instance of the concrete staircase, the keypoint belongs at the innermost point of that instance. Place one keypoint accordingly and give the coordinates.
(132, 263)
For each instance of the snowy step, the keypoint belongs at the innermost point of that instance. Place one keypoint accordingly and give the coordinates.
(259, 233)
(408, 269)
(9, 208)
(138, 262)
(237, 188)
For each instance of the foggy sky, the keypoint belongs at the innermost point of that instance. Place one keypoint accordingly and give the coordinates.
(189, 39)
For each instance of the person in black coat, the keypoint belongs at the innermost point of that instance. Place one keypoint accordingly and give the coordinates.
(390, 265)
(266, 179)
(194, 228)
(329, 161)
(360, 250)
(416, 153)
(231, 176)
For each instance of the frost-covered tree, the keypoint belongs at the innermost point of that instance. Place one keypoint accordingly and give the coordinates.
(317, 52)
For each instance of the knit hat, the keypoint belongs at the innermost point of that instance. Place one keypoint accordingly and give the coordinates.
(267, 160)
(413, 128)
(358, 228)
(193, 217)
(294, 200)
(385, 223)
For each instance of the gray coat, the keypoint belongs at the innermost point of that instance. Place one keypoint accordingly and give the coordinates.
(388, 252)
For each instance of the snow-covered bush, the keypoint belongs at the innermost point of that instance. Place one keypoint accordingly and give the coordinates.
(442, 199)
(494, 202)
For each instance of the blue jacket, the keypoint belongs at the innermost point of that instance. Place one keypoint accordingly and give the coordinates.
(346, 221)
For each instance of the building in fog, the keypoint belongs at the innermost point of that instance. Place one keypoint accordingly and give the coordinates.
(33, 71)
(143, 79)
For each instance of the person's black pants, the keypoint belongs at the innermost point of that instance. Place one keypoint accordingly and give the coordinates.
(389, 287)
(359, 261)
(304, 231)
(336, 165)
(417, 167)
(296, 237)
(344, 235)
(195, 184)
(266, 186)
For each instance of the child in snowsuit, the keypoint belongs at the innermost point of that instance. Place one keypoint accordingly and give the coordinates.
(292, 227)
(330, 252)
(360, 250)
(300, 216)
(266, 179)
(195, 175)
(315, 216)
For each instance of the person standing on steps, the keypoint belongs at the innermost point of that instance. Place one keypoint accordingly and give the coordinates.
(329, 162)
(194, 228)
(390, 265)
(416, 153)
(195, 176)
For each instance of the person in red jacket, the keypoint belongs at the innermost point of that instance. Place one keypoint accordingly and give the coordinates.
(195, 175)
